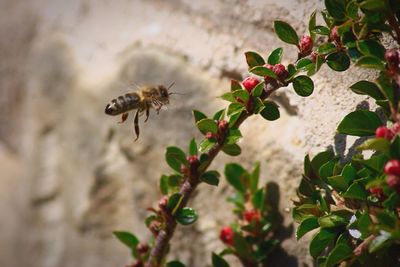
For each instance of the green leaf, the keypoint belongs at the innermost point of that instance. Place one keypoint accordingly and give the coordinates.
(235, 85)
(370, 62)
(367, 88)
(233, 173)
(232, 149)
(198, 115)
(356, 191)
(371, 48)
(218, 261)
(374, 163)
(233, 136)
(254, 59)
(320, 159)
(164, 184)
(303, 85)
(174, 202)
(175, 157)
(186, 216)
(286, 33)
(326, 48)
(263, 71)
(332, 220)
(336, 8)
(219, 115)
(377, 144)
(243, 248)
(276, 56)
(210, 177)
(233, 118)
(312, 24)
(174, 180)
(304, 64)
(321, 30)
(306, 226)
(395, 148)
(386, 87)
(338, 183)
(207, 125)
(373, 5)
(352, 10)
(258, 199)
(257, 91)
(242, 94)
(359, 123)
(206, 145)
(127, 238)
(338, 61)
(193, 147)
(339, 253)
(234, 108)
(254, 177)
(175, 264)
(320, 241)
(270, 111)
(228, 97)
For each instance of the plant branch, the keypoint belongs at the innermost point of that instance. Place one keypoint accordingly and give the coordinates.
(161, 244)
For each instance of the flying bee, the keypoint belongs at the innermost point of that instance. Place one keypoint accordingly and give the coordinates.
(143, 100)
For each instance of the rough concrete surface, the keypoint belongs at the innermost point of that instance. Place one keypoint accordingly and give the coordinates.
(71, 175)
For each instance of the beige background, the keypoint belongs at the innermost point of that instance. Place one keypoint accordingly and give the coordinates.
(71, 175)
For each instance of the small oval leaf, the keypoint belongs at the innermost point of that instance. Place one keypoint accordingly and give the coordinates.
(303, 85)
(285, 32)
(186, 216)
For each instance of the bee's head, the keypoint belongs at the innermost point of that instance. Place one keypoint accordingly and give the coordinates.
(164, 94)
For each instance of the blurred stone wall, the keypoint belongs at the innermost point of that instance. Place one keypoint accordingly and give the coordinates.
(71, 175)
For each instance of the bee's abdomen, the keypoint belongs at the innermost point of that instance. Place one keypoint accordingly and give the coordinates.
(123, 104)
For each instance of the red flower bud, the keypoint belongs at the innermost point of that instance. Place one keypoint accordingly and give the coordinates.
(394, 182)
(210, 135)
(162, 204)
(223, 125)
(280, 71)
(384, 132)
(142, 248)
(193, 162)
(249, 83)
(306, 45)
(396, 128)
(377, 191)
(392, 58)
(334, 35)
(252, 215)
(268, 79)
(226, 235)
(392, 167)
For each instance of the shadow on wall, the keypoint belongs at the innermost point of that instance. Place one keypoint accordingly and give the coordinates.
(279, 256)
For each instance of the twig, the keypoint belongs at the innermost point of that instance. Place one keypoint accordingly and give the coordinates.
(160, 248)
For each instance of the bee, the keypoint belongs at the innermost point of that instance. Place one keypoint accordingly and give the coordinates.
(143, 100)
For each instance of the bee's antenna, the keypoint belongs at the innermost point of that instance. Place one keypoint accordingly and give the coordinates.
(174, 93)
(169, 87)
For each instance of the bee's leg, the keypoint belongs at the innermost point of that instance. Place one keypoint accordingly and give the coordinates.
(124, 117)
(136, 122)
(147, 114)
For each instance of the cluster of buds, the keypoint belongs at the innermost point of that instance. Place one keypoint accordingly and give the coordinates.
(226, 235)
(388, 133)
(377, 192)
(392, 170)
(306, 45)
(252, 216)
(392, 59)
(223, 126)
(194, 163)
